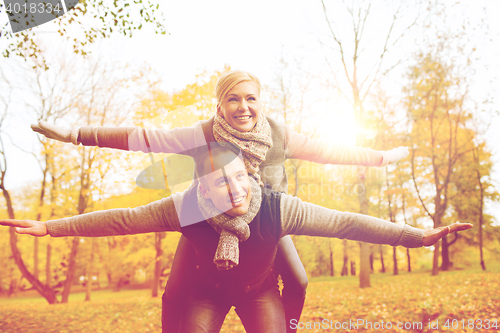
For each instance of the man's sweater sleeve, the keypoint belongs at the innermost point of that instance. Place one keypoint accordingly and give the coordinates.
(177, 140)
(157, 216)
(301, 147)
(302, 218)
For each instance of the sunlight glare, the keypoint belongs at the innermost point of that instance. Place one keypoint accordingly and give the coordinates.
(339, 126)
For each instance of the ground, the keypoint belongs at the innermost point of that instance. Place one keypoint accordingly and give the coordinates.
(456, 301)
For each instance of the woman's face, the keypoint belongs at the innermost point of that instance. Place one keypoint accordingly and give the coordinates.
(241, 106)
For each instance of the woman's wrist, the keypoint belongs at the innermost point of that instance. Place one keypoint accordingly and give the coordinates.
(75, 135)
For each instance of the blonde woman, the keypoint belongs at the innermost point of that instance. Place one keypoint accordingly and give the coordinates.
(265, 145)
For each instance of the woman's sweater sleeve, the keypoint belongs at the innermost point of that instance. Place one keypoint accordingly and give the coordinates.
(302, 218)
(301, 147)
(175, 140)
(157, 216)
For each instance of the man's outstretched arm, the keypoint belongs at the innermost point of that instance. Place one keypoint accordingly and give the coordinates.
(157, 216)
(302, 218)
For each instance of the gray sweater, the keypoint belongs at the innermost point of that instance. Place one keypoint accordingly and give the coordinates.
(286, 144)
(297, 218)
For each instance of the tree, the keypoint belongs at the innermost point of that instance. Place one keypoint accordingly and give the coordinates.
(472, 187)
(360, 80)
(438, 119)
(44, 290)
(96, 91)
(104, 102)
(95, 19)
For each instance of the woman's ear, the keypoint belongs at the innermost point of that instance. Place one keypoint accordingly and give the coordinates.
(204, 191)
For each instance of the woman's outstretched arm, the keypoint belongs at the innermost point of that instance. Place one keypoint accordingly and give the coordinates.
(177, 140)
(302, 147)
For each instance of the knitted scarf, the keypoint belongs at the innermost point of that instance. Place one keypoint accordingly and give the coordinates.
(232, 230)
(254, 144)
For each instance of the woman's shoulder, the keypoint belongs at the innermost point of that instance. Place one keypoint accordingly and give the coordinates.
(278, 130)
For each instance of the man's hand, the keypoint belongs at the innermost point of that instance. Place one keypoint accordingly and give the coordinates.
(52, 131)
(33, 228)
(394, 155)
(431, 237)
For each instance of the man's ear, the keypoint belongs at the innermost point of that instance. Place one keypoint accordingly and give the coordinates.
(204, 191)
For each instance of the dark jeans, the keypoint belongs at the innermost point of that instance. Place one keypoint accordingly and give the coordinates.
(261, 313)
(288, 265)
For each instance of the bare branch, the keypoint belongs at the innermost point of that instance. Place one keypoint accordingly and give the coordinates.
(341, 50)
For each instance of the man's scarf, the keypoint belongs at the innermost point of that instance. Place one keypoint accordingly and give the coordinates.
(254, 144)
(232, 230)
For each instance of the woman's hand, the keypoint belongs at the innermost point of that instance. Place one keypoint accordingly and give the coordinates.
(431, 237)
(52, 131)
(394, 155)
(33, 228)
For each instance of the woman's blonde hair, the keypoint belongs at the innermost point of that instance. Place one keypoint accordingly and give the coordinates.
(229, 79)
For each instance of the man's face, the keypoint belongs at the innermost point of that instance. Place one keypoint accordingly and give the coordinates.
(229, 188)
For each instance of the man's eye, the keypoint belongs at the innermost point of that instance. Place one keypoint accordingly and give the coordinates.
(241, 176)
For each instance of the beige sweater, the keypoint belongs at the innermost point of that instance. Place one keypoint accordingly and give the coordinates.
(297, 218)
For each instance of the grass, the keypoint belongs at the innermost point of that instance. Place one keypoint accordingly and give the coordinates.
(415, 298)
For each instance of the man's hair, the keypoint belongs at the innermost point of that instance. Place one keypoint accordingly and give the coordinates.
(216, 156)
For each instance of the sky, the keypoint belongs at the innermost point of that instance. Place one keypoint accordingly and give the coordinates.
(253, 36)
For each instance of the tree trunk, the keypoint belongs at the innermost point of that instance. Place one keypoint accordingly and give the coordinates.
(382, 259)
(435, 259)
(48, 275)
(364, 253)
(70, 273)
(332, 273)
(408, 258)
(445, 255)
(90, 271)
(35, 257)
(159, 253)
(395, 259)
(481, 203)
(345, 269)
(38, 218)
(371, 261)
(47, 293)
(483, 265)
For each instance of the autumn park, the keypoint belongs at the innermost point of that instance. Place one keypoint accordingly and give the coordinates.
(376, 74)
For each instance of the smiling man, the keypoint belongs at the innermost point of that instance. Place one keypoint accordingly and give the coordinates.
(236, 238)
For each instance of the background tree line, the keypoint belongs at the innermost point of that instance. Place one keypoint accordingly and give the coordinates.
(445, 179)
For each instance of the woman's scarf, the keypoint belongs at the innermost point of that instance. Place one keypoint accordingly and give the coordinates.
(254, 144)
(232, 230)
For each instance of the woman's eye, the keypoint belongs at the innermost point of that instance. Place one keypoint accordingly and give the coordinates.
(232, 99)
(251, 99)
